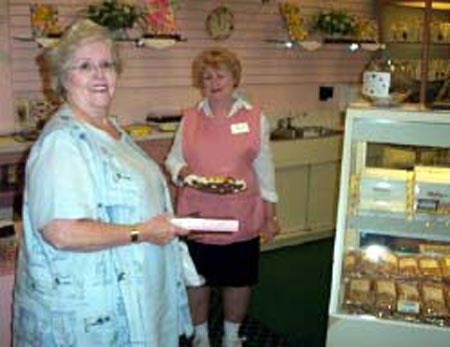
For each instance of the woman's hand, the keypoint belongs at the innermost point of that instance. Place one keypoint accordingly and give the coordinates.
(271, 230)
(184, 172)
(159, 230)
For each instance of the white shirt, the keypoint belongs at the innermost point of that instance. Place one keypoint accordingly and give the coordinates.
(263, 164)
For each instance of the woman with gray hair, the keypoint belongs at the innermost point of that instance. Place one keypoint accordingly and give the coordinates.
(100, 263)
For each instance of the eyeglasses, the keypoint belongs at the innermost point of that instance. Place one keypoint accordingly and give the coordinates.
(87, 67)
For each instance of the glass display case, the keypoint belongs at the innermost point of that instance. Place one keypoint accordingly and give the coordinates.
(391, 269)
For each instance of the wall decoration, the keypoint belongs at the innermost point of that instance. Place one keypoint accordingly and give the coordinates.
(220, 23)
(366, 29)
(160, 17)
(290, 11)
(44, 20)
(116, 15)
(335, 24)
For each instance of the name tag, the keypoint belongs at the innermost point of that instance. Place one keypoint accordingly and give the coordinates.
(239, 128)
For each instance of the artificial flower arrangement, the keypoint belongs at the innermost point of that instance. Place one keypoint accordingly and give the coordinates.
(160, 17)
(335, 23)
(366, 29)
(44, 20)
(116, 15)
(290, 11)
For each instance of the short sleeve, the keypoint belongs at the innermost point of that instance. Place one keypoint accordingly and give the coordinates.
(263, 165)
(59, 184)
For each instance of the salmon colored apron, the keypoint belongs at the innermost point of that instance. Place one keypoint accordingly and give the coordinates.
(214, 146)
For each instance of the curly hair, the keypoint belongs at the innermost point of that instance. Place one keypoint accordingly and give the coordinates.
(215, 58)
(59, 57)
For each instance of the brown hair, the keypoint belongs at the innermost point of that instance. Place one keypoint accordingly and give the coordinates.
(215, 58)
(59, 57)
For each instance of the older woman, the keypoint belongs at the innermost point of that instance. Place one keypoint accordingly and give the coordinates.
(99, 265)
(225, 136)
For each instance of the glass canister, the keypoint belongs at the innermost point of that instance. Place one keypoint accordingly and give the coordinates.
(385, 82)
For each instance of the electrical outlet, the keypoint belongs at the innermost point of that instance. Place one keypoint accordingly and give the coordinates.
(325, 93)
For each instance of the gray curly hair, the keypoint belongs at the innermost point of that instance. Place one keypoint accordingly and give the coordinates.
(60, 56)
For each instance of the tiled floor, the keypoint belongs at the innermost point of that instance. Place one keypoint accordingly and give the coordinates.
(255, 333)
(299, 316)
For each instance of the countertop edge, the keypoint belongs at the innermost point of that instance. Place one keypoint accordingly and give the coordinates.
(10, 145)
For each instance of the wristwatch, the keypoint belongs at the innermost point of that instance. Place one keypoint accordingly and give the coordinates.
(134, 234)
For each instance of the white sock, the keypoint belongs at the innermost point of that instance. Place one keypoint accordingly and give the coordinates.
(201, 338)
(231, 330)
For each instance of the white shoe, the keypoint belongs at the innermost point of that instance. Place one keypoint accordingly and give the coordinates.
(238, 342)
(201, 341)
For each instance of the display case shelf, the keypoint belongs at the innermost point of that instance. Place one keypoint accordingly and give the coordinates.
(417, 228)
(428, 228)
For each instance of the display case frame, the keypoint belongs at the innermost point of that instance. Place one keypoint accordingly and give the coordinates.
(407, 126)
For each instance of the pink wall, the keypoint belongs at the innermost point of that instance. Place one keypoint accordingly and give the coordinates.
(158, 81)
(6, 97)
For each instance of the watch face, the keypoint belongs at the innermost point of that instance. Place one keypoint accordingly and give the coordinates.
(220, 23)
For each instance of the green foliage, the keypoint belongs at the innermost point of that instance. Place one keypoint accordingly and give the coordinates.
(335, 22)
(115, 15)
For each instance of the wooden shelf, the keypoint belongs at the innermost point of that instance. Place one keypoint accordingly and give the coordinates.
(154, 41)
(353, 44)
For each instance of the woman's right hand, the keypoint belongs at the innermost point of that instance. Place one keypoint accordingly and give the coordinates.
(159, 230)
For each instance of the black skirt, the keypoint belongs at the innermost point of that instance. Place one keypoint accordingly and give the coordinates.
(233, 265)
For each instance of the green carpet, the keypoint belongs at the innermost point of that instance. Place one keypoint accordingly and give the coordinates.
(292, 296)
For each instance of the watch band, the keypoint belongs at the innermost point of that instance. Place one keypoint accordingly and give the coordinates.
(134, 234)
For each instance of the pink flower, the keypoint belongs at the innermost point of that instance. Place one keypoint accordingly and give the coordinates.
(160, 16)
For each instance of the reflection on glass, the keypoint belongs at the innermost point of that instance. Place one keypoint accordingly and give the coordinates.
(405, 157)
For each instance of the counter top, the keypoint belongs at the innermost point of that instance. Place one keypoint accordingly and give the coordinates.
(9, 144)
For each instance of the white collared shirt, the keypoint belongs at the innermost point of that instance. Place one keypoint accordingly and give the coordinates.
(263, 163)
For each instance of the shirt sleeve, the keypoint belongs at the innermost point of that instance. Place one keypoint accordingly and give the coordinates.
(59, 184)
(175, 159)
(263, 165)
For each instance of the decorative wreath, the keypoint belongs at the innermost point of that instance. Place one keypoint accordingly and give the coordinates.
(220, 23)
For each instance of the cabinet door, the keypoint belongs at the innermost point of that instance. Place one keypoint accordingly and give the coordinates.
(292, 187)
(322, 195)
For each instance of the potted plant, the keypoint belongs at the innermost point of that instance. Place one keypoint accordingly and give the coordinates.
(335, 23)
(116, 15)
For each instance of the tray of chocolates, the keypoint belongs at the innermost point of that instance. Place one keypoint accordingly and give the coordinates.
(216, 184)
